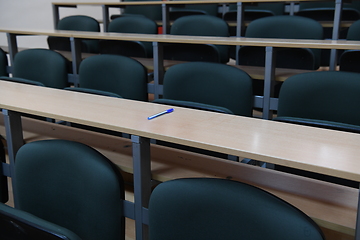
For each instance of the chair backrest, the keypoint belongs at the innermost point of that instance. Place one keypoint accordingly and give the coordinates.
(325, 95)
(210, 83)
(193, 9)
(114, 73)
(130, 24)
(350, 59)
(152, 12)
(324, 11)
(71, 185)
(203, 25)
(285, 26)
(42, 65)
(76, 23)
(3, 63)
(17, 224)
(258, 10)
(214, 209)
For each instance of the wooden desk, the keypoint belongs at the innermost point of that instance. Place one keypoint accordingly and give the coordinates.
(332, 206)
(323, 151)
(158, 40)
(167, 4)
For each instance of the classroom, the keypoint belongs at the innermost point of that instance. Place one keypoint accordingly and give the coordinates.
(247, 136)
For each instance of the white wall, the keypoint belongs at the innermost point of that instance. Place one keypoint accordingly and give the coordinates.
(37, 14)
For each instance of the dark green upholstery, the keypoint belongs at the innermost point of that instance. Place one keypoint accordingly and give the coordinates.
(71, 185)
(76, 23)
(130, 24)
(114, 73)
(22, 80)
(193, 9)
(198, 25)
(3, 63)
(291, 27)
(41, 65)
(193, 105)
(218, 209)
(324, 11)
(4, 194)
(210, 83)
(17, 224)
(350, 59)
(326, 95)
(152, 12)
(93, 91)
(255, 11)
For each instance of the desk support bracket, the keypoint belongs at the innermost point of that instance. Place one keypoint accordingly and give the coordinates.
(14, 139)
(142, 182)
(158, 67)
(105, 10)
(13, 47)
(268, 81)
(165, 9)
(75, 45)
(239, 28)
(357, 226)
(335, 33)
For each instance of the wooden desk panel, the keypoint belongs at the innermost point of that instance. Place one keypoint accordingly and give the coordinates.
(331, 206)
(160, 38)
(319, 150)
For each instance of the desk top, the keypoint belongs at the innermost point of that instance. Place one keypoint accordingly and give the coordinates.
(181, 2)
(166, 38)
(320, 150)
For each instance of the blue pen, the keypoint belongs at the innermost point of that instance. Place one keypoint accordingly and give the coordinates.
(161, 113)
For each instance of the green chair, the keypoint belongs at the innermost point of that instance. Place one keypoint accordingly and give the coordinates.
(117, 74)
(193, 9)
(198, 25)
(17, 224)
(41, 67)
(71, 185)
(324, 11)
(253, 11)
(76, 23)
(350, 59)
(3, 63)
(326, 99)
(153, 12)
(130, 24)
(328, 96)
(286, 26)
(217, 209)
(208, 84)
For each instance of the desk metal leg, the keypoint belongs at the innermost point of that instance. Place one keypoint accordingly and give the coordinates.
(13, 47)
(56, 15)
(14, 139)
(75, 45)
(268, 81)
(158, 68)
(335, 34)
(357, 227)
(142, 183)
(165, 18)
(239, 27)
(105, 17)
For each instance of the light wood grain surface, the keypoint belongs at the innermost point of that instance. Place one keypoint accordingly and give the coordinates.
(163, 38)
(324, 151)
